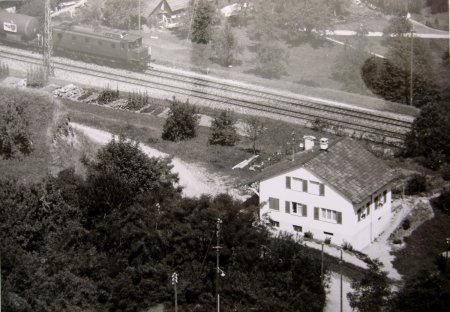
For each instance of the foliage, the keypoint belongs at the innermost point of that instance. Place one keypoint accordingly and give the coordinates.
(406, 224)
(430, 135)
(438, 6)
(442, 202)
(202, 21)
(223, 129)
(225, 45)
(182, 122)
(62, 251)
(349, 62)
(254, 129)
(36, 77)
(270, 59)
(137, 100)
(108, 95)
(398, 6)
(428, 291)
(15, 135)
(408, 58)
(35, 8)
(372, 292)
(417, 184)
(91, 13)
(347, 246)
(121, 14)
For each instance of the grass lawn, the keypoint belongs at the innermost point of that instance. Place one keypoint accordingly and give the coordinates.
(39, 108)
(423, 246)
(147, 129)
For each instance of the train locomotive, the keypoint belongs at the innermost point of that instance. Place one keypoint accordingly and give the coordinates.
(100, 45)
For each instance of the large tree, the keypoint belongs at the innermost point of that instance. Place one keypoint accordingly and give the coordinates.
(120, 13)
(225, 45)
(201, 21)
(372, 292)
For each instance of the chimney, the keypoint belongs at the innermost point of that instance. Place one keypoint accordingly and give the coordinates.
(309, 142)
(324, 144)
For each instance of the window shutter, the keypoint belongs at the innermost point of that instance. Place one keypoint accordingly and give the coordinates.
(339, 217)
(368, 210)
(322, 189)
(288, 182)
(316, 213)
(305, 186)
(304, 211)
(288, 207)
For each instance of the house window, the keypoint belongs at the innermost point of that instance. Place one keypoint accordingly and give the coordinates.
(328, 215)
(298, 184)
(299, 209)
(274, 223)
(363, 212)
(274, 203)
(328, 233)
(384, 197)
(297, 228)
(316, 188)
(376, 203)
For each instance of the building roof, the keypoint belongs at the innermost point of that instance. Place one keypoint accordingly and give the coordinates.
(347, 166)
(174, 5)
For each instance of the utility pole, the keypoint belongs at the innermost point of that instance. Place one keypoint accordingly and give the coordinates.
(340, 270)
(48, 42)
(139, 16)
(218, 270)
(411, 70)
(321, 265)
(174, 283)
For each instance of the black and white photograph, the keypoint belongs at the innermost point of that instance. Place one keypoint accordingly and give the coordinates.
(224, 156)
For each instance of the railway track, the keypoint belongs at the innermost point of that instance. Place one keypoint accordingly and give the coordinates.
(372, 125)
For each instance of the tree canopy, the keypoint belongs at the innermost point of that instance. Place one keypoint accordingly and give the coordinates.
(60, 252)
(182, 122)
(223, 129)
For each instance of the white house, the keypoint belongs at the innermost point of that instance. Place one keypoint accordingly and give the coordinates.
(339, 190)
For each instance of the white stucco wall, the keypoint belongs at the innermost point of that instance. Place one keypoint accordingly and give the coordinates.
(357, 233)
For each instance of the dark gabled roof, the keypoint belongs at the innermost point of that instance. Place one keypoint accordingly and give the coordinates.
(174, 5)
(347, 166)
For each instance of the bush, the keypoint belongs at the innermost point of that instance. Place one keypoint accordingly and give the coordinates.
(443, 201)
(107, 95)
(137, 100)
(309, 235)
(417, 184)
(406, 224)
(223, 130)
(397, 241)
(445, 172)
(347, 246)
(182, 122)
(327, 240)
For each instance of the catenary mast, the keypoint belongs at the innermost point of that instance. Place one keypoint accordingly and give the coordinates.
(47, 43)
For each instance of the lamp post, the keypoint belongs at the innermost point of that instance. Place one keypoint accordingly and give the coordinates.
(174, 283)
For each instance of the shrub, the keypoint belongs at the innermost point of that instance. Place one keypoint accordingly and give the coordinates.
(137, 100)
(107, 95)
(309, 235)
(397, 241)
(406, 224)
(223, 130)
(15, 136)
(182, 122)
(443, 201)
(327, 240)
(417, 184)
(347, 246)
(445, 172)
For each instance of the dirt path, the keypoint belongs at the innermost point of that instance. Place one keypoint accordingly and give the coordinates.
(194, 179)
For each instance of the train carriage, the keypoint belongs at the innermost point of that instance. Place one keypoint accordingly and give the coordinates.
(18, 28)
(101, 45)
